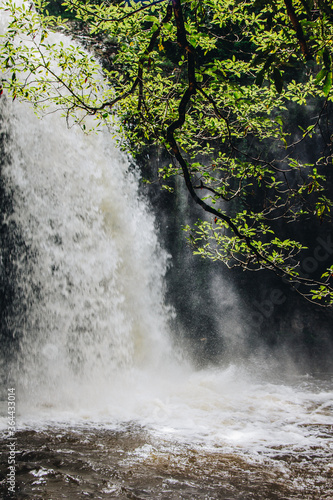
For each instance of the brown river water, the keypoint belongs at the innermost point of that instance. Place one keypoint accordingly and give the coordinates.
(283, 450)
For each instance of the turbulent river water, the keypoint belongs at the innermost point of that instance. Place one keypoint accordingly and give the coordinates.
(107, 405)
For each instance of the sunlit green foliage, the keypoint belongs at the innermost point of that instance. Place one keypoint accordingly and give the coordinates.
(211, 82)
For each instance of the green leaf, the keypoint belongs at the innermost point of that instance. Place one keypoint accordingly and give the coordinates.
(327, 83)
(152, 19)
(278, 81)
(269, 61)
(327, 59)
(260, 78)
(321, 75)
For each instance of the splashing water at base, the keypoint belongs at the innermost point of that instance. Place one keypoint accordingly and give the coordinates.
(105, 407)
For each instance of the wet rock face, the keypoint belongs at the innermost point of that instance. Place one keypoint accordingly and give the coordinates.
(227, 314)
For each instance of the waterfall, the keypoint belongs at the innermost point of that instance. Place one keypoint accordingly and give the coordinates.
(90, 278)
(85, 334)
(84, 319)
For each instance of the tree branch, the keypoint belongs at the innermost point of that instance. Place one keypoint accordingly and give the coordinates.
(298, 28)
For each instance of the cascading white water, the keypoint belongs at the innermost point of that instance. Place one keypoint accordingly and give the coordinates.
(93, 280)
(92, 316)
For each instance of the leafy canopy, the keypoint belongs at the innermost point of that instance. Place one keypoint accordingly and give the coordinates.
(211, 82)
